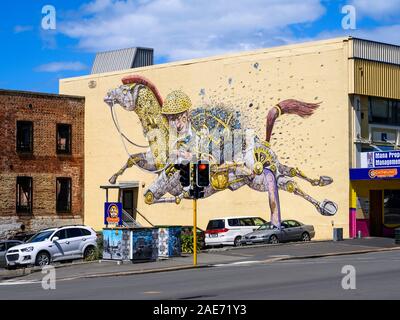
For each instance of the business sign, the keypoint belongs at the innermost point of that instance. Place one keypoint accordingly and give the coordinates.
(381, 159)
(113, 213)
(374, 174)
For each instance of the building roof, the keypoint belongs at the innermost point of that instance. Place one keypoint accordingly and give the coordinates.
(33, 94)
(122, 59)
(363, 49)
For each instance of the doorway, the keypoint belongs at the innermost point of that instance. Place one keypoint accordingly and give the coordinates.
(375, 213)
(129, 199)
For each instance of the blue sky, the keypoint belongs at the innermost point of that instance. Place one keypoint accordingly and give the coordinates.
(34, 59)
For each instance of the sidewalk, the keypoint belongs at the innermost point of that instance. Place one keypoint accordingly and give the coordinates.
(263, 253)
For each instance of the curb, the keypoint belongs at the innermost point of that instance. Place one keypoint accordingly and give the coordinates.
(333, 254)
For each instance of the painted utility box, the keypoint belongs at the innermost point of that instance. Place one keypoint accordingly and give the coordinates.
(117, 244)
(144, 242)
(169, 241)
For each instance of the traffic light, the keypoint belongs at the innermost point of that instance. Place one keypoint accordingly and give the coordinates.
(184, 169)
(202, 173)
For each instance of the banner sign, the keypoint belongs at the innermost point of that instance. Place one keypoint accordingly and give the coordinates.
(380, 159)
(374, 174)
(113, 213)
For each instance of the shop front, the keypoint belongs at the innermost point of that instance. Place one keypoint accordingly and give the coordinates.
(375, 195)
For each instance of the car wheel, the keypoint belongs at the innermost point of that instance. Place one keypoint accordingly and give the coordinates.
(89, 254)
(273, 239)
(237, 242)
(305, 237)
(42, 259)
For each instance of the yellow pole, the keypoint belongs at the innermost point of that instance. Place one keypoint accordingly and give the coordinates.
(195, 232)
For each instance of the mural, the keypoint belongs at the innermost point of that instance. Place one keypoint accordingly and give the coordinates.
(238, 157)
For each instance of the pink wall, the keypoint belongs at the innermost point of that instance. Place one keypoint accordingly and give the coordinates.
(363, 226)
(352, 223)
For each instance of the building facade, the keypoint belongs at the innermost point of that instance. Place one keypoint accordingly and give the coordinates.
(333, 74)
(41, 160)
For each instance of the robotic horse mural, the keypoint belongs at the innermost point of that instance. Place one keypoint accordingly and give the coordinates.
(171, 127)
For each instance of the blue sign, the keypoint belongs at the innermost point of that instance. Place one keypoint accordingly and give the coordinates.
(383, 159)
(375, 173)
(113, 213)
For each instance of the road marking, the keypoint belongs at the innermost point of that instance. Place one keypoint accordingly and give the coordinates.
(152, 292)
(16, 283)
(236, 263)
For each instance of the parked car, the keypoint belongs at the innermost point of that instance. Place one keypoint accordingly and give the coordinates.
(55, 244)
(4, 246)
(22, 236)
(291, 230)
(230, 230)
(200, 234)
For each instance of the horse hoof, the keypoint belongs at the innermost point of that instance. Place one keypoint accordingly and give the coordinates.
(112, 180)
(328, 208)
(324, 181)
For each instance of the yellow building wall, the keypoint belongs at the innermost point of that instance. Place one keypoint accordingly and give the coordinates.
(252, 82)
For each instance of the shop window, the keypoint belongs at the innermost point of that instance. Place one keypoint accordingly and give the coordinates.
(64, 138)
(24, 195)
(384, 111)
(63, 195)
(391, 205)
(24, 136)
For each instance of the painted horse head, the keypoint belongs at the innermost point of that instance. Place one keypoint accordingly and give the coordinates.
(138, 94)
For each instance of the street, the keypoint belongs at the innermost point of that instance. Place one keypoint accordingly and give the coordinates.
(377, 277)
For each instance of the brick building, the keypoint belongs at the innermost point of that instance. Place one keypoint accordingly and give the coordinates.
(41, 160)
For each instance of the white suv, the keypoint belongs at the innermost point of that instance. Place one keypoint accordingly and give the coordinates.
(230, 230)
(55, 244)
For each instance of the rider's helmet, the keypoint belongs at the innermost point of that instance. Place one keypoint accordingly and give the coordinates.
(176, 102)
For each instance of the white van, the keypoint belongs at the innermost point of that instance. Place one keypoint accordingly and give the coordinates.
(230, 230)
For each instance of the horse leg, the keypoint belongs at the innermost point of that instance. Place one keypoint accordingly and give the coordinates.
(273, 196)
(326, 207)
(139, 159)
(295, 172)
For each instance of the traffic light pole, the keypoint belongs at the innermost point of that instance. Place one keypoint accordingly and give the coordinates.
(195, 232)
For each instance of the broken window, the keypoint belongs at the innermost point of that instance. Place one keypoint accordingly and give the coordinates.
(24, 136)
(63, 195)
(64, 138)
(24, 195)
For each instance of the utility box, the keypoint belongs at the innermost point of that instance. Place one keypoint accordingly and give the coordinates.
(117, 244)
(134, 244)
(144, 244)
(337, 234)
(169, 241)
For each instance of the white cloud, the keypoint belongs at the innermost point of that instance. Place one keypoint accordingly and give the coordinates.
(377, 9)
(385, 34)
(180, 29)
(61, 66)
(20, 29)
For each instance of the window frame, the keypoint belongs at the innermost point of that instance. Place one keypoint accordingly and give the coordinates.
(17, 145)
(68, 150)
(18, 206)
(60, 210)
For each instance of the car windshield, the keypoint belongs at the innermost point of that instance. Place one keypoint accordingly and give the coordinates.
(267, 226)
(41, 236)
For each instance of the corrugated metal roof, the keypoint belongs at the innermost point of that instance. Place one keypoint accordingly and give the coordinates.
(375, 51)
(378, 79)
(122, 59)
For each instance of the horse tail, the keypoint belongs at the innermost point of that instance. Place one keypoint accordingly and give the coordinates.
(290, 106)
(146, 82)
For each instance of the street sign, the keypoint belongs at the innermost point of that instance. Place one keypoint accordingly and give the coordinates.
(113, 213)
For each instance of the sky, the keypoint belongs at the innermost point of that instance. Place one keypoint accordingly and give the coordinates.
(39, 47)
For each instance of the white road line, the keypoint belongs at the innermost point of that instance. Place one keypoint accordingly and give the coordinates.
(17, 283)
(236, 263)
